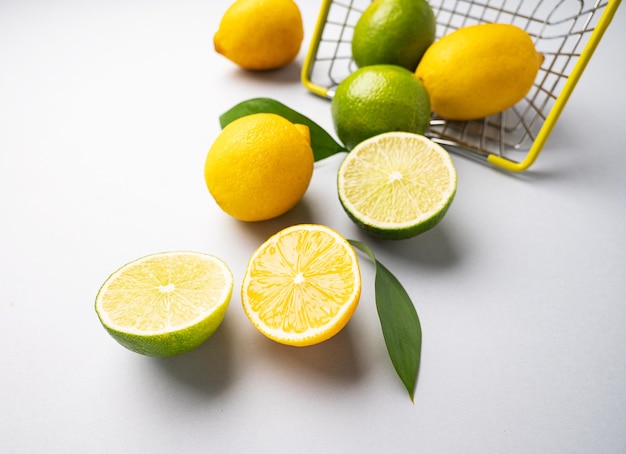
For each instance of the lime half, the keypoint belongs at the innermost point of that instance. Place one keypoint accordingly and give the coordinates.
(167, 303)
(397, 185)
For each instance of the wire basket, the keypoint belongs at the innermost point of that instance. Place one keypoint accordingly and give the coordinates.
(566, 32)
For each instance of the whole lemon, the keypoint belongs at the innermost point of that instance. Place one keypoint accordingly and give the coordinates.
(376, 99)
(479, 70)
(260, 34)
(395, 32)
(259, 166)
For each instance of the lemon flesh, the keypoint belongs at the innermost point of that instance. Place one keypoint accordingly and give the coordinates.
(302, 285)
(397, 185)
(165, 304)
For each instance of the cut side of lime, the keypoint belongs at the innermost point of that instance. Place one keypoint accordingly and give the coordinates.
(167, 303)
(302, 285)
(397, 185)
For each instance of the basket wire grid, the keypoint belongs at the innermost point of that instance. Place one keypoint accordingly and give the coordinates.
(566, 32)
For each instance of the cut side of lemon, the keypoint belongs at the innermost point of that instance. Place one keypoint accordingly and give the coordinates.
(166, 303)
(397, 185)
(302, 286)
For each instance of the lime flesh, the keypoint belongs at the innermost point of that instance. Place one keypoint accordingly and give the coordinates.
(167, 303)
(397, 185)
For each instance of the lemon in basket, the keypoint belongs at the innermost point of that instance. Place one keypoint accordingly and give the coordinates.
(260, 34)
(377, 99)
(302, 285)
(397, 185)
(479, 70)
(395, 32)
(165, 304)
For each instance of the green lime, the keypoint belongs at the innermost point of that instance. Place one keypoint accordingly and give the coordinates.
(397, 185)
(167, 303)
(395, 32)
(377, 99)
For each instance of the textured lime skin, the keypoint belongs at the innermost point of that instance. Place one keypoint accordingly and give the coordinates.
(395, 32)
(368, 177)
(378, 99)
(399, 234)
(173, 343)
(140, 289)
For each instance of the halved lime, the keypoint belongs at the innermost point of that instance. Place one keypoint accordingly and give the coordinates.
(397, 185)
(166, 303)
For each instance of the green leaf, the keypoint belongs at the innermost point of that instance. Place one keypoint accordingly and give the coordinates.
(322, 143)
(399, 321)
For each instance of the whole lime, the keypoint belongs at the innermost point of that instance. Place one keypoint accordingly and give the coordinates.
(377, 99)
(395, 32)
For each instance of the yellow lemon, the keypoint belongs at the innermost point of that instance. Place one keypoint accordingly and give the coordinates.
(302, 285)
(259, 167)
(479, 70)
(260, 34)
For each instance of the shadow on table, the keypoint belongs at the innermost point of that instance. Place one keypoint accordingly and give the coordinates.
(335, 359)
(208, 368)
(289, 74)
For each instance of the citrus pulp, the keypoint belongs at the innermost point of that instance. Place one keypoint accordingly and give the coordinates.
(302, 285)
(165, 304)
(397, 185)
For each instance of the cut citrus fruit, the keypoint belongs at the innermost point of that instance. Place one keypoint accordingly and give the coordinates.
(167, 303)
(397, 185)
(302, 286)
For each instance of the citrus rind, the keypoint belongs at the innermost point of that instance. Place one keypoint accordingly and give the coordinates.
(397, 185)
(127, 304)
(302, 285)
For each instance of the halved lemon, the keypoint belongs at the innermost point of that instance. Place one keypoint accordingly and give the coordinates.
(302, 286)
(167, 303)
(397, 185)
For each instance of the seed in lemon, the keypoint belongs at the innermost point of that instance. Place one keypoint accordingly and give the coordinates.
(479, 70)
(167, 303)
(377, 99)
(302, 286)
(397, 185)
(260, 34)
(259, 166)
(395, 32)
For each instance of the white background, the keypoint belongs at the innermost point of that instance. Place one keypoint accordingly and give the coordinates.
(107, 110)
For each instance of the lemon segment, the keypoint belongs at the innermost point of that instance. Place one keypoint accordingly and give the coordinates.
(165, 304)
(397, 185)
(302, 285)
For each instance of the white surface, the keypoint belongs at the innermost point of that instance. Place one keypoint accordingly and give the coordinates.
(107, 110)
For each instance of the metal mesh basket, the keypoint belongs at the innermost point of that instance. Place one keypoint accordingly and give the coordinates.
(566, 32)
